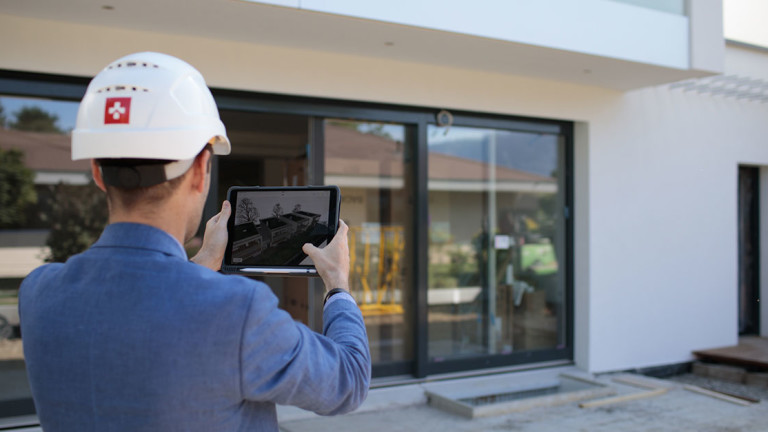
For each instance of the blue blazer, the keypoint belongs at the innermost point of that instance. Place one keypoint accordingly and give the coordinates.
(131, 336)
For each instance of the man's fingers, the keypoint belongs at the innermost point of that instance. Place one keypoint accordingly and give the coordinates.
(341, 234)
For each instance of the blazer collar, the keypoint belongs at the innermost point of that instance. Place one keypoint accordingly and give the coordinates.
(140, 236)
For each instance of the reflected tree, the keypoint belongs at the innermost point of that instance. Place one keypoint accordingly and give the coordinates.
(546, 215)
(17, 188)
(35, 119)
(78, 216)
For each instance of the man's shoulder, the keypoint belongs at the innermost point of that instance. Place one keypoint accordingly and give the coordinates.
(97, 264)
(45, 270)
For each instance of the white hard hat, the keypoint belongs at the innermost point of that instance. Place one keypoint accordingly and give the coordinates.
(148, 106)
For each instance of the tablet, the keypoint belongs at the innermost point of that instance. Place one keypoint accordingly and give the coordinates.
(269, 226)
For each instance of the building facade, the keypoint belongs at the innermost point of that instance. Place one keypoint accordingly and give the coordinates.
(526, 183)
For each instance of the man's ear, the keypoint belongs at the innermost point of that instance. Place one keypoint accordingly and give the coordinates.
(97, 178)
(200, 171)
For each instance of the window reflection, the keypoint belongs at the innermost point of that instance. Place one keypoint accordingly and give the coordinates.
(496, 239)
(49, 210)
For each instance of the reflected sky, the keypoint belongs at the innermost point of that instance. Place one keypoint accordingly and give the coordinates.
(65, 110)
(524, 151)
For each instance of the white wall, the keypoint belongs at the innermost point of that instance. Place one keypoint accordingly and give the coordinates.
(746, 62)
(655, 170)
(744, 21)
(663, 230)
(706, 34)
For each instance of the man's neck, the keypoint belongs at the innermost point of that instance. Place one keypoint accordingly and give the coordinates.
(178, 214)
(165, 219)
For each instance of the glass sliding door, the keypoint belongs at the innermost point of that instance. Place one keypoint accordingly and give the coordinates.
(459, 238)
(497, 240)
(368, 161)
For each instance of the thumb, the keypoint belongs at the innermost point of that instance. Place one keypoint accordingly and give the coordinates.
(223, 215)
(309, 249)
(226, 209)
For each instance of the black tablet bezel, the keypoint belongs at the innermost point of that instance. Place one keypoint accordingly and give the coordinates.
(334, 204)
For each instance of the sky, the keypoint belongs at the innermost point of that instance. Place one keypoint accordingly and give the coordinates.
(66, 111)
(745, 21)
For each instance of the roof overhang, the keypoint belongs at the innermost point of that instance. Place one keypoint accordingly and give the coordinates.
(264, 24)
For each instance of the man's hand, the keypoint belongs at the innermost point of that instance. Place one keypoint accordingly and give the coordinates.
(214, 240)
(332, 261)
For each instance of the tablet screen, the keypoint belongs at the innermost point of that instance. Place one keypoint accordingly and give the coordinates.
(269, 226)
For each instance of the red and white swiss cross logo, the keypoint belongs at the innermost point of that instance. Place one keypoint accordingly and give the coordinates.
(117, 110)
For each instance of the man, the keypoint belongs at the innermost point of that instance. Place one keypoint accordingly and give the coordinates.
(131, 335)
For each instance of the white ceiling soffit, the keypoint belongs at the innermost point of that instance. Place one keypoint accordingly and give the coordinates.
(281, 26)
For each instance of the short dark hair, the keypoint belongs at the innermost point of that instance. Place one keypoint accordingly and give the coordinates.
(131, 197)
(128, 197)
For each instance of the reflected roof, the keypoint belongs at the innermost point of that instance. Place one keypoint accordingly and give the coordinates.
(43, 151)
(348, 153)
(352, 153)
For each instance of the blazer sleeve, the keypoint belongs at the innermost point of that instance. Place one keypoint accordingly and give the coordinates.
(284, 362)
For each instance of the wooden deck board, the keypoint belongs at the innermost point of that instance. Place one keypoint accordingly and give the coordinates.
(751, 351)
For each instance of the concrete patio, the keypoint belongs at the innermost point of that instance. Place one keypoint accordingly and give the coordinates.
(673, 408)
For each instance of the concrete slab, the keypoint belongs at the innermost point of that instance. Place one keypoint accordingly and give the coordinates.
(496, 399)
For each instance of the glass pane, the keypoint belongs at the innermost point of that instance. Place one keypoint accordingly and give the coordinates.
(49, 210)
(367, 161)
(496, 242)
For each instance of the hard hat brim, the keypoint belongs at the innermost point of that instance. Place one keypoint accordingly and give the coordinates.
(169, 145)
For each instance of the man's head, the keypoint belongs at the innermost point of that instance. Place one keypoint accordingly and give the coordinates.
(147, 119)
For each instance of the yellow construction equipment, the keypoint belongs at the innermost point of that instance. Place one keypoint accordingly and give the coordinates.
(382, 298)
